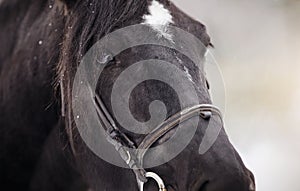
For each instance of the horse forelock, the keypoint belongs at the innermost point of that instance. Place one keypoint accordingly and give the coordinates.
(86, 23)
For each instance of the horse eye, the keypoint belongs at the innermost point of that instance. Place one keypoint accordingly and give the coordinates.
(106, 59)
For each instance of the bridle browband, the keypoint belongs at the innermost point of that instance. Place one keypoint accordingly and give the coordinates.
(124, 145)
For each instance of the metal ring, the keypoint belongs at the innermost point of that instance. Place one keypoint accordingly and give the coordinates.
(158, 180)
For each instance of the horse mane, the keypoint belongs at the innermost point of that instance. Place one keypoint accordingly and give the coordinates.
(86, 23)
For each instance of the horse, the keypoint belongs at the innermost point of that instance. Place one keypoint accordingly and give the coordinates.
(42, 45)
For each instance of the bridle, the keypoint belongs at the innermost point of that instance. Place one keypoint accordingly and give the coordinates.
(124, 145)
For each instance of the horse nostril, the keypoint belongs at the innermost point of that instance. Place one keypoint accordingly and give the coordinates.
(251, 184)
(203, 186)
(200, 186)
(170, 188)
(251, 180)
(251, 187)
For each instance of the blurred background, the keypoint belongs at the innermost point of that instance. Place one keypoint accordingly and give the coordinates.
(257, 47)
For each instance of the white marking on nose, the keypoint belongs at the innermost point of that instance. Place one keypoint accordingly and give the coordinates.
(159, 19)
(189, 76)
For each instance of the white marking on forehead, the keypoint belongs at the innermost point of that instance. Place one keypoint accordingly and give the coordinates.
(159, 19)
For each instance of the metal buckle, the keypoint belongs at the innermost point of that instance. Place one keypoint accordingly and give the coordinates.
(158, 180)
